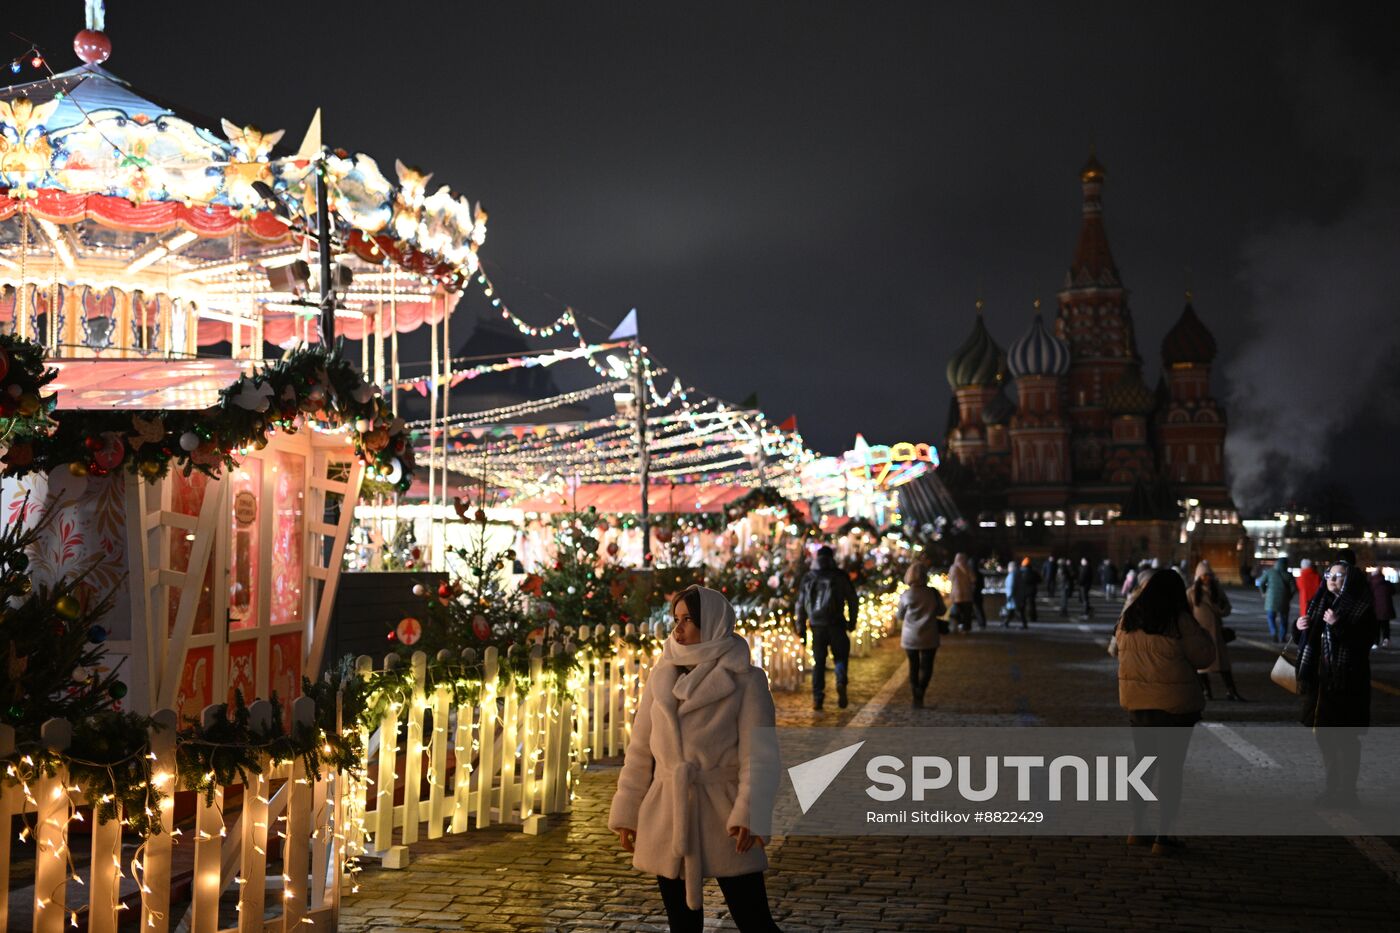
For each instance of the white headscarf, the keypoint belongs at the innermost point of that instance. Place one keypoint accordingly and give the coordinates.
(719, 649)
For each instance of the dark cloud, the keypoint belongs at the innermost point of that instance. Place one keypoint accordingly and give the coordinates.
(804, 198)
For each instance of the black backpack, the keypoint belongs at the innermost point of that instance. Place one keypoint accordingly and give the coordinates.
(823, 605)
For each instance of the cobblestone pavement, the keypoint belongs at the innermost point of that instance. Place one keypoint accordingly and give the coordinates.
(575, 877)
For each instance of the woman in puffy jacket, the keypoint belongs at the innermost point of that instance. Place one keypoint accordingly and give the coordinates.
(1211, 606)
(918, 612)
(1160, 646)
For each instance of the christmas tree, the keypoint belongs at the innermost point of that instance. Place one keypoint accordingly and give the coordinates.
(581, 587)
(481, 606)
(52, 642)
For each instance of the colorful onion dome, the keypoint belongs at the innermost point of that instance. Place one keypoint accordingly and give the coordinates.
(999, 410)
(1038, 352)
(979, 361)
(1189, 342)
(1130, 395)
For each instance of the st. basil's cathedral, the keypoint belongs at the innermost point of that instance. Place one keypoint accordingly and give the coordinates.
(1084, 459)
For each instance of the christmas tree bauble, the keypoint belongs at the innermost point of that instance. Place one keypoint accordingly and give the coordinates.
(117, 690)
(67, 607)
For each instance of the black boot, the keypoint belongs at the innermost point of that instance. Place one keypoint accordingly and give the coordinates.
(841, 695)
(1205, 685)
(817, 701)
(918, 695)
(1230, 690)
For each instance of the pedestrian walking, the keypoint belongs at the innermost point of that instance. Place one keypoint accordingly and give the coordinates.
(1050, 571)
(1210, 605)
(1383, 598)
(1108, 576)
(919, 611)
(1334, 673)
(979, 592)
(1086, 585)
(1159, 647)
(1008, 588)
(695, 795)
(1278, 588)
(960, 591)
(1067, 579)
(828, 604)
(1308, 581)
(1027, 587)
(1129, 582)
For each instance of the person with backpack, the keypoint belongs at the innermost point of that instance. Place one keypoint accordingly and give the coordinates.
(828, 604)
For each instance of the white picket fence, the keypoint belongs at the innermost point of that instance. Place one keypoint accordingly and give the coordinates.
(285, 803)
(509, 757)
(432, 766)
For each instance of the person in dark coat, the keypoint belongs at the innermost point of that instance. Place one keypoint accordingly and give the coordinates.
(1050, 571)
(1108, 576)
(1067, 578)
(1334, 675)
(1023, 589)
(979, 592)
(1086, 585)
(1383, 598)
(827, 601)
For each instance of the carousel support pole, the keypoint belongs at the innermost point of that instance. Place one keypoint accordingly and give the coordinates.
(323, 247)
(643, 461)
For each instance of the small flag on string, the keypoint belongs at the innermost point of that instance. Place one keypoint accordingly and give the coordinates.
(627, 329)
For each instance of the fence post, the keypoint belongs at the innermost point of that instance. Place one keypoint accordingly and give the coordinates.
(253, 871)
(208, 848)
(486, 738)
(533, 746)
(51, 848)
(413, 749)
(391, 856)
(296, 842)
(437, 746)
(462, 757)
(510, 722)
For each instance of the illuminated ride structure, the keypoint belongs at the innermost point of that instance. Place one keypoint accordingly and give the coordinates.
(155, 255)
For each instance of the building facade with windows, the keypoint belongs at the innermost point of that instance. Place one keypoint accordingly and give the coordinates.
(1058, 445)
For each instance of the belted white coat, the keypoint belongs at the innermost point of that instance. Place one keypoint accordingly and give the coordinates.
(696, 768)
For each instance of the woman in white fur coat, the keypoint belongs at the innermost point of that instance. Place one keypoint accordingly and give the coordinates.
(695, 796)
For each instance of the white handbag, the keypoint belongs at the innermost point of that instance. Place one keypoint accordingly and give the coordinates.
(1285, 672)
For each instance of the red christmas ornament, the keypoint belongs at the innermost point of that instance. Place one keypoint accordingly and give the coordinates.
(481, 628)
(92, 46)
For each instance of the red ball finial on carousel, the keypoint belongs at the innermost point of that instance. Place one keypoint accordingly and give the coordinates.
(92, 46)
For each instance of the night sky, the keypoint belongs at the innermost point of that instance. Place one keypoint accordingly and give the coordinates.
(804, 199)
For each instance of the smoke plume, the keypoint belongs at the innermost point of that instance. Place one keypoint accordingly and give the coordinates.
(1324, 297)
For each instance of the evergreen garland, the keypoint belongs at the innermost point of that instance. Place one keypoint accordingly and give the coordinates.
(315, 382)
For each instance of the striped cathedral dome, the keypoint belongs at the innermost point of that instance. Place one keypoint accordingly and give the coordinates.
(1189, 342)
(1038, 352)
(979, 361)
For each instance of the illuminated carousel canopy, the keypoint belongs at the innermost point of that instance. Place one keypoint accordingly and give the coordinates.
(130, 227)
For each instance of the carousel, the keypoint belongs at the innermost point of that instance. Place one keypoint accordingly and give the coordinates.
(154, 257)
